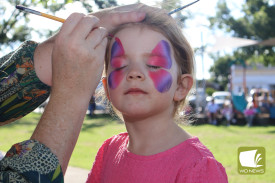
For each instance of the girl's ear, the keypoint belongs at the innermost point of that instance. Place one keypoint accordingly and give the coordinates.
(185, 83)
(104, 82)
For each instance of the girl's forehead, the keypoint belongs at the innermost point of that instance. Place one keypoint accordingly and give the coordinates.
(138, 38)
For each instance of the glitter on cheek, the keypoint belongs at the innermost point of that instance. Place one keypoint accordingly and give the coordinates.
(115, 78)
(162, 80)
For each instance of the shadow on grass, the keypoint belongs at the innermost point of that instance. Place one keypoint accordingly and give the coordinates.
(96, 121)
(28, 121)
(273, 131)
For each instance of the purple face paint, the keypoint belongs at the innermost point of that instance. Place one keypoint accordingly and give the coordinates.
(117, 52)
(162, 80)
(161, 58)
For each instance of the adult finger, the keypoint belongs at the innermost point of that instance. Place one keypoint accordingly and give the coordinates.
(85, 26)
(111, 17)
(70, 23)
(126, 17)
(101, 48)
(96, 36)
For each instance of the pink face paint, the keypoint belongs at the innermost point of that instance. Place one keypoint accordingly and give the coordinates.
(161, 57)
(117, 52)
(162, 80)
(115, 78)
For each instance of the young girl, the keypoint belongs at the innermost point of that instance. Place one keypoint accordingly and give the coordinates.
(149, 68)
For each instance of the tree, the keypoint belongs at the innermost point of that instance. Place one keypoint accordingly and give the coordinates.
(12, 31)
(105, 4)
(170, 5)
(258, 23)
(221, 70)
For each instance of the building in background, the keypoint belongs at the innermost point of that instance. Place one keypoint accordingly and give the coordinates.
(258, 77)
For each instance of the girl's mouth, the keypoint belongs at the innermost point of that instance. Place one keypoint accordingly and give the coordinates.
(135, 91)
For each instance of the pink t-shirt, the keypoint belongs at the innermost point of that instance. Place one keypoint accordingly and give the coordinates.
(249, 112)
(188, 162)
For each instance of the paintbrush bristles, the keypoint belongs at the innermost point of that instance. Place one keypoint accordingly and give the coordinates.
(22, 8)
(181, 8)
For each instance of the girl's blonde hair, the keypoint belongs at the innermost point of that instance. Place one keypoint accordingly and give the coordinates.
(159, 20)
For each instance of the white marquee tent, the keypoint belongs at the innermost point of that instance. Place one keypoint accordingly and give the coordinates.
(235, 42)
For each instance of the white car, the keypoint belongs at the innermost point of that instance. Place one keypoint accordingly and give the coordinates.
(221, 97)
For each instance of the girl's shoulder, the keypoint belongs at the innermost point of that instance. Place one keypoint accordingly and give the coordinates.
(188, 152)
(201, 163)
(117, 139)
(196, 148)
(198, 154)
(120, 137)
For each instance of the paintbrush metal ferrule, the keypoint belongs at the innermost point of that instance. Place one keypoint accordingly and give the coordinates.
(28, 10)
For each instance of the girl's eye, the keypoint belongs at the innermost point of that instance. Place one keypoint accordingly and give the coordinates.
(120, 68)
(154, 67)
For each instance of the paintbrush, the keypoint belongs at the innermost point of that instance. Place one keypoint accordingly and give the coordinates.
(181, 8)
(22, 8)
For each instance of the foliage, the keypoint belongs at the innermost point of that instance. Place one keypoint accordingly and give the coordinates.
(257, 23)
(221, 70)
(170, 5)
(105, 4)
(209, 91)
(12, 29)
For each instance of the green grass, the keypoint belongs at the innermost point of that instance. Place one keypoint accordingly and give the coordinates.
(222, 141)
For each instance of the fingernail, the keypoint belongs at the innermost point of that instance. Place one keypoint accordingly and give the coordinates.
(110, 35)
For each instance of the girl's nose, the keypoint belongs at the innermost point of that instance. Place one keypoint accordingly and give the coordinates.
(135, 74)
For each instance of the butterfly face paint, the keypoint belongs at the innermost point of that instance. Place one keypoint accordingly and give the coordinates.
(161, 58)
(117, 52)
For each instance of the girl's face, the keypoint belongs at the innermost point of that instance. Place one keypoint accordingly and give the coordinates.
(142, 73)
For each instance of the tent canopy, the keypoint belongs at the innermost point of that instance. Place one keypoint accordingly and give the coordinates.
(235, 42)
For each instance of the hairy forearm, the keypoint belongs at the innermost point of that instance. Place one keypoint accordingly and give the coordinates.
(60, 125)
(43, 60)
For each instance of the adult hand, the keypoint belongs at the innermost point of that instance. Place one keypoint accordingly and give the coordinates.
(112, 17)
(78, 59)
(78, 56)
(108, 18)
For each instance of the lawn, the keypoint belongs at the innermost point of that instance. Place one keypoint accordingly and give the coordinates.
(222, 141)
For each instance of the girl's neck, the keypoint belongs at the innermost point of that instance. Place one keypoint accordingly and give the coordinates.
(154, 134)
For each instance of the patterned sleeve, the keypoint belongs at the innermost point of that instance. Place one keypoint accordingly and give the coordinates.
(30, 161)
(21, 91)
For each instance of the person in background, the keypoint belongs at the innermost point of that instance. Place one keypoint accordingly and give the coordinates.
(249, 114)
(212, 110)
(265, 102)
(92, 106)
(227, 112)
